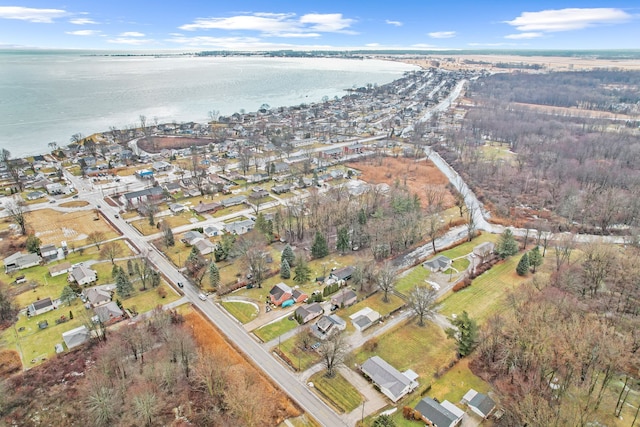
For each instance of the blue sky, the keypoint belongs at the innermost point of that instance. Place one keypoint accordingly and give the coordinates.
(259, 25)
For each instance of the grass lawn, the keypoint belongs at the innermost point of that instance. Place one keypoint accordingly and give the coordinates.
(229, 210)
(35, 344)
(375, 303)
(413, 277)
(243, 311)
(74, 204)
(456, 382)
(408, 346)
(143, 301)
(142, 225)
(486, 294)
(273, 330)
(303, 420)
(304, 359)
(337, 390)
(467, 248)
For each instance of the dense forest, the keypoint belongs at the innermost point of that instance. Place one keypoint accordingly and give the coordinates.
(580, 171)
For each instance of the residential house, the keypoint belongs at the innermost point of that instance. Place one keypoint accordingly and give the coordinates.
(108, 313)
(282, 292)
(439, 263)
(443, 414)
(479, 403)
(391, 382)
(233, 201)
(161, 166)
(144, 174)
(280, 189)
(210, 207)
(55, 188)
(20, 261)
(213, 230)
(258, 193)
(97, 296)
(190, 237)
(344, 298)
(328, 325)
(332, 153)
(35, 195)
(308, 312)
(344, 273)
(483, 250)
(176, 208)
(364, 318)
(40, 306)
(204, 246)
(172, 187)
(356, 148)
(59, 269)
(240, 227)
(49, 252)
(280, 167)
(258, 177)
(82, 275)
(75, 337)
(134, 199)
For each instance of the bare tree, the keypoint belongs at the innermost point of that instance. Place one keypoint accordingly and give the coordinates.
(422, 301)
(562, 247)
(110, 251)
(17, 209)
(96, 237)
(386, 280)
(333, 352)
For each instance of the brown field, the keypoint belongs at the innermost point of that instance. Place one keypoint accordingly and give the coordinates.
(155, 144)
(53, 227)
(209, 339)
(415, 175)
(576, 112)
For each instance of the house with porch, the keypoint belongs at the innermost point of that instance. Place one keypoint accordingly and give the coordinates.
(391, 382)
(439, 263)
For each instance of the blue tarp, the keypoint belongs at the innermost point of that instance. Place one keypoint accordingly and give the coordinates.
(288, 303)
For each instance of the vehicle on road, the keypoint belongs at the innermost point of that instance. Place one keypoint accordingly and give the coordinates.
(98, 206)
(116, 216)
(180, 285)
(76, 196)
(203, 297)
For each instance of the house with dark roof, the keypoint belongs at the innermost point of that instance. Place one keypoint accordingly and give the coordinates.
(344, 273)
(364, 318)
(280, 189)
(328, 325)
(108, 313)
(134, 199)
(210, 207)
(233, 201)
(20, 261)
(191, 237)
(40, 306)
(308, 312)
(258, 193)
(75, 337)
(282, 292)
(439, 263)
(49, 252)
(344, 298)
(443, 414)
(479, 403)
(391, 382)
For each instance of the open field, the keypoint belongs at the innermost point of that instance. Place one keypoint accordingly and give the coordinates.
(412, 278)
(303, 359)
(143, 301)
(417, 176)
(273, 330)
(337, 390)
(243, 311)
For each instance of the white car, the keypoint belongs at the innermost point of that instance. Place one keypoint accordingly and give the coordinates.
(203, 297)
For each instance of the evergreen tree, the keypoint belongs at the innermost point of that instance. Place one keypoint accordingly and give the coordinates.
(155, 279)
(214, 275)
(114, 271)
(384, 420)
(33, 244)
(523, 265)
(302, 272)
(123, 285)
(319, 249)
(130, 267)
(287, 253)
(535, 259)
(465, 333)
(167, 234)
(507, 246)
(67, 295)
(285, 269)
(343, 240)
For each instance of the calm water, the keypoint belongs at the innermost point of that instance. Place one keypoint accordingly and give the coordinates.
(47, 97)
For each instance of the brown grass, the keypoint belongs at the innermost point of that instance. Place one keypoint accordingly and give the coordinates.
(155, 144)
(210, 339)
(9, 363)
(416, 175)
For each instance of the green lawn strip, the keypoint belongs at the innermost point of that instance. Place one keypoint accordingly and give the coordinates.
(486, 294)
(36, 343)
(303, 420)
(337, 390)
(456, 382)
(460, 264)
(467, 248)
(243, 311)
(414, 277)
(374, 302)
(273, 330)
(143, 301)
(303, 359)
(228, 211)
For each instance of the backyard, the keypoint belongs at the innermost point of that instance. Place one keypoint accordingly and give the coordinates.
(337, 390)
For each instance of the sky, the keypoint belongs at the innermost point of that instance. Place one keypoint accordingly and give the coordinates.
(189, 25)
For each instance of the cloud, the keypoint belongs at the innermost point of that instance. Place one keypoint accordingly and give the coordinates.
(83, 32)
(396, 23)
(442, 34)
(82, 21)
(519, 36)
(236, 43)
(130, 41)
(567, 19)
(422, 45)
(372, 45)
(132, 34)
(43, 16)
(493, 44)
(276, 24)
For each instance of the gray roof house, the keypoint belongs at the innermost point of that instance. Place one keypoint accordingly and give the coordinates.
(327, 325)
(391, 382)
(40, 306)
(76, 337)
(439, 263)
(205, 247)
(19, 261)
(191, 237)
(49, 252)
(233, 201)
(309, 312)
(484, 249)
(344, 273)
(240, 227)
(97, 296)
(108, 313)
(82, 275)
(439, 415)
(344, 298)
(364, 318)
(479, 403)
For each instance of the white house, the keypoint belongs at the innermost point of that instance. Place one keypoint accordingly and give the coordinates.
(82, 275)
(75, 337)
(40, 306)
(391, 382)
(213, 230)
(364, 318)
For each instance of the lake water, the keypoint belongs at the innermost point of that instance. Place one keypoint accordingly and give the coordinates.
(49, 96)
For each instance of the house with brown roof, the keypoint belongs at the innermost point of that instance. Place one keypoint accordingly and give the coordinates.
(308, 312)
(344, 298)
(282, 292)
(108, 313)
